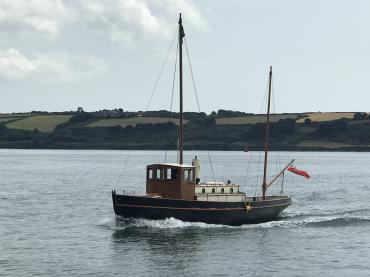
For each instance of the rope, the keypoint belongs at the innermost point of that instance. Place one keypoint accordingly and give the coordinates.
(196, 96)
(282, 184)
(147, 106)
(160, 72)
(172, 92)
(258, 174)
(246, 172)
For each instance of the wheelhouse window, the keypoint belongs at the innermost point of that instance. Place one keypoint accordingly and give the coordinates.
(188, 175)
(158, 174)
(168, 174)
(150, 174)
(174, 173)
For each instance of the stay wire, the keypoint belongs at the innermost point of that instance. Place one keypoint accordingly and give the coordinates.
(161, 71)
(172, 92)
(258, 173)
(264, 104)
(147, 106)
(196, 96)
(246, 172)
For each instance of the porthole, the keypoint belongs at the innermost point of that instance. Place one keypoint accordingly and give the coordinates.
(203, 190)
(231, 190)
(222, 190)
(213, 190)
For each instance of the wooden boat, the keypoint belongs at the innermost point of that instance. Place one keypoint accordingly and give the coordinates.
(174, 189)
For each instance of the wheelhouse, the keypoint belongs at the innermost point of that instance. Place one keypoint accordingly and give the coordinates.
(174, 181)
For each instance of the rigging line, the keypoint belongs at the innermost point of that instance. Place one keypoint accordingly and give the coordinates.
(191, 73)
(246, 173)
(264, 100)
(172, 92)
(258, 173)
(147, 106)
(282, 184)
(161, 71)
(273, 94)
(264, 103)
(196, 96)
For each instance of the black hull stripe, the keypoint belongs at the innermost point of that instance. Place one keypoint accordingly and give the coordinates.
(198, 209)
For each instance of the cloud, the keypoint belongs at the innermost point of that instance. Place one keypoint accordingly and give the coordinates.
(57, 66)
(40, 16)
(128, 20)
(121, 20)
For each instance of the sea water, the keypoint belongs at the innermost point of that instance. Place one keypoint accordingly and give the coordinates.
(56, 217)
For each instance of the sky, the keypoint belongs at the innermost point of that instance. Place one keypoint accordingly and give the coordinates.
(57, 55)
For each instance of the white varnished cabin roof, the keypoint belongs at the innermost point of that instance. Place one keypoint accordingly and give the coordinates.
(171, 165)
(220, 184)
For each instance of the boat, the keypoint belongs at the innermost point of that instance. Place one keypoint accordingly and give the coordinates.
(174, 190)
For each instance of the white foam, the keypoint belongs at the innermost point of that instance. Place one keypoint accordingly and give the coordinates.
(169, 223)
(172, 223)
(110, 222)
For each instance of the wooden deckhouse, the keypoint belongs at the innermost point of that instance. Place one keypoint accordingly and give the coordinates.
(175, 181)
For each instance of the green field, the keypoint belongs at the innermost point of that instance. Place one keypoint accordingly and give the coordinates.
(253, 119)
(17, 115)
(321, 117)
(7, 119)
(322, 144)
(124, 122)
(43, 123)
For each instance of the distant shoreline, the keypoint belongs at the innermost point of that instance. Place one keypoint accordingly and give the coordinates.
(346, 149)
(223, 130)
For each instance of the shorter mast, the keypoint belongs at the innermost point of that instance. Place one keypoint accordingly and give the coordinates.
(264, 183)
(181, 139)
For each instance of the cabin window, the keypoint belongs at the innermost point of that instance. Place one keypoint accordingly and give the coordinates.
(222, 190)
(231, 190)
(203, 190)
(159, 174)
(213, 190)
(188, 175)
(174, 173)
(168, 177)
(150, 174)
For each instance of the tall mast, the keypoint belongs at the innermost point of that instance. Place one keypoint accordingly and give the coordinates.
(264, 184)
(181, 140)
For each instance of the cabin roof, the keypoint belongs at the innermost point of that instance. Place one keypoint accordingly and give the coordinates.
(171, 165)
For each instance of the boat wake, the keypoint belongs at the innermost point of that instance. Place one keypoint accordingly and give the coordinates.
(168, 223)
(314, 221)
(335, 219)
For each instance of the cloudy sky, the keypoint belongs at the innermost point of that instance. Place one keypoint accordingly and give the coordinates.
(56, 55)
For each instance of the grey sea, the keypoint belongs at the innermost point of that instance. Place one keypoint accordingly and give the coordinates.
(56, 217)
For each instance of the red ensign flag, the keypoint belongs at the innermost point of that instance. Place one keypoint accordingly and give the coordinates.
(297, 171)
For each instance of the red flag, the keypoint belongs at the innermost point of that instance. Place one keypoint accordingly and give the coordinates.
(297, 171)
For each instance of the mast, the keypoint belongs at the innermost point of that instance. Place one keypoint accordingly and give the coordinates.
(264, 184)
(181, 140)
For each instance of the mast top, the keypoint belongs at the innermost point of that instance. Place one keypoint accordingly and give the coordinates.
(181, 31)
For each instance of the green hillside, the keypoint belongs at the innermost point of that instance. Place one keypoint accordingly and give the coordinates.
(124, 122)
(222, 130)
(43, 123)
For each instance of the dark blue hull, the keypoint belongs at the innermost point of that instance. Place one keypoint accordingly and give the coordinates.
(228, 213)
